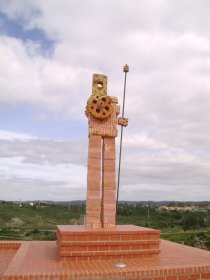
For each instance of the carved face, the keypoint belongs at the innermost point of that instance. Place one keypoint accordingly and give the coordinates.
(99, 85)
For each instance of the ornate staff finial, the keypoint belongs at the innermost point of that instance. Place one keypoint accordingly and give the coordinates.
(126, 68)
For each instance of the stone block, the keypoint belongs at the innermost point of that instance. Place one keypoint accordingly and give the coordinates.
(109, 163)
(93, 184)
(93, 162)
(109, 140)
(95, 140)
(111, 185)
(109, 155)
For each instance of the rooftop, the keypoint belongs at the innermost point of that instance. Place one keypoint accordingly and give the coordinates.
(39, 260)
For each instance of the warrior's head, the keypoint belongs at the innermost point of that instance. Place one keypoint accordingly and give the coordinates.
(99, 85)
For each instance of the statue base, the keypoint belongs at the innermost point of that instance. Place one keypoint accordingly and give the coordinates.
(77, 243)
(39, 260)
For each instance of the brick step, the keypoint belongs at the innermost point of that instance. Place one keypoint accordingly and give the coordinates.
(109, 243)
(7, 245)
(110, 253)
(107, 237)
(110, 239)
(87, 256)
(99, 248)
(79, 243)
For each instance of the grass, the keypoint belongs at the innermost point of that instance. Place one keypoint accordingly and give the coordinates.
(197, 239)
(12, 215)
(39, 222)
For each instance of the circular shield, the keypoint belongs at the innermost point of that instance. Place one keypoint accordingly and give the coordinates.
(101, 107)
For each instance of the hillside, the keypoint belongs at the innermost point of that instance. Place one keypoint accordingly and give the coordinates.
(37, 221)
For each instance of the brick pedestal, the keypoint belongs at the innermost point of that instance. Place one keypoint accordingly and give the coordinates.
(77, 243)
(39, 260)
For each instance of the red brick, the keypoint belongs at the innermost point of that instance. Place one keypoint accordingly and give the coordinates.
(195, 276)
(205, 275)
(95, 140)
(94, 163)
(103, 248)
(109, 163)
(109, 141)
(183, 277)
(125, 237)
(93, 237)
(109, 155)
(115, 237)
(104, 237)
(109, 185)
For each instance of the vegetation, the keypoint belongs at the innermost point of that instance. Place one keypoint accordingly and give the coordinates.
(38, 221)
(195, 239)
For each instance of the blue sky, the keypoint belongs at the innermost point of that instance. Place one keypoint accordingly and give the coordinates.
(15, 28)
(42, 123)
(48, 53)
(26, 119)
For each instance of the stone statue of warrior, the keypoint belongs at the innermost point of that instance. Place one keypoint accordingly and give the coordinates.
(102, 112)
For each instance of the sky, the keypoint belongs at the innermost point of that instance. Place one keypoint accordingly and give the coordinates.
(48, 53)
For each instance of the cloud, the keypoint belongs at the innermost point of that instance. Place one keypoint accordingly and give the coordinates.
(30, 170)
(16, 168)
(166, 43)
(41, 151)
(37, 80)
(16, 189)
(11, 136)
(61, 165)
(142, 193)
(41, 169)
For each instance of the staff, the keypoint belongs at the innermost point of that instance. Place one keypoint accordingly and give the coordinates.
(125, 70)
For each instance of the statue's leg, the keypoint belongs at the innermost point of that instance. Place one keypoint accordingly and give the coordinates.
(108, 183)
(93, 202)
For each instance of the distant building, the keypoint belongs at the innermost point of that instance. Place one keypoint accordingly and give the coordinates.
(177, 208)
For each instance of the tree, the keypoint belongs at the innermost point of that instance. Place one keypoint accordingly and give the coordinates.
(193, 220)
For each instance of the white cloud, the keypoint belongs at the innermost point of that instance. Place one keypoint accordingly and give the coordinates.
(36, 80)
(16, 189)
(166, 44)
(148, 192)
(35, 181)
(143, 142)
(11, 136)
(67, 173)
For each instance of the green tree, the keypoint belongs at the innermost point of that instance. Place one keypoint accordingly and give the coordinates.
(193, 220)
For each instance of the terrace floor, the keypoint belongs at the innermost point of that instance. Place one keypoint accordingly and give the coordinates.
(39, 260)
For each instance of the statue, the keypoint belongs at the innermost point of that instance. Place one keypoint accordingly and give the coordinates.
(100, 238)
(102, 112)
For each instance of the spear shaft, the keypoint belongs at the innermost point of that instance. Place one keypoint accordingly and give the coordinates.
(126, 70)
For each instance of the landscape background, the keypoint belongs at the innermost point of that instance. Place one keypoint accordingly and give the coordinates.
(187, 223)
